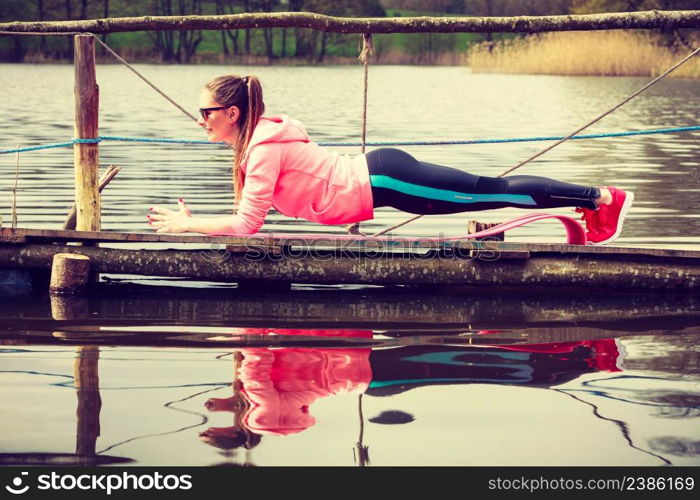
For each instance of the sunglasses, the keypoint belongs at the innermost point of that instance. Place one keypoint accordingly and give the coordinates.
(205, 111)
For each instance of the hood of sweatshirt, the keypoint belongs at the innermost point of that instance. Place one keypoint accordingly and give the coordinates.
(278, 128)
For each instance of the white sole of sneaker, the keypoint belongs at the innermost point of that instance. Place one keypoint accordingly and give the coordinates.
(623, 213)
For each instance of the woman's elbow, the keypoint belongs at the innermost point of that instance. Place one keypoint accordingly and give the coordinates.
(246, 226)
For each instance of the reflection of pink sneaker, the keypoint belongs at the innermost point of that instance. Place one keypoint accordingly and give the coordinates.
(605, 223)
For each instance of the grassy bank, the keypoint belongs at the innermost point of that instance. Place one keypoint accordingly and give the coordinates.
(602, 53)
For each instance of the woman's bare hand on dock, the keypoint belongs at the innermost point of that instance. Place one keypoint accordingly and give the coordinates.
(164, 220)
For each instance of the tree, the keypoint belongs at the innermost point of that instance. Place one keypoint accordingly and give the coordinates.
(670, 37)
(42, 16)
(246, 8)
(315, 44)
(105, 14)
(268, 33)
(227, 7)
(424, 6)
(14, 10)
(597, 6)
(177, 46)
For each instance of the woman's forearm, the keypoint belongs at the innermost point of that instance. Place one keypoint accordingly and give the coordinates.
(164, 220)
(209, 225)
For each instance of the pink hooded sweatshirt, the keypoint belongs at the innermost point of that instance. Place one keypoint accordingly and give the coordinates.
(284, 169)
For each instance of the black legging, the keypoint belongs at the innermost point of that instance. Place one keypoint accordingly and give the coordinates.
(400, 181)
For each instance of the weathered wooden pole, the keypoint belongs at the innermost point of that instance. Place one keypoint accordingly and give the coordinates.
(70, 273)
(651, 19)
(87, 387)
(86, 156)
(474, 226)
(106, 178)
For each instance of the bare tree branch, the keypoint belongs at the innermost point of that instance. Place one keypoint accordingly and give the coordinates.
(653, 19)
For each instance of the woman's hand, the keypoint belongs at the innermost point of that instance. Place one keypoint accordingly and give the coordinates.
(164, 220)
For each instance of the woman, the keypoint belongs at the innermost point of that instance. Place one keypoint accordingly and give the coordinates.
(279, 166)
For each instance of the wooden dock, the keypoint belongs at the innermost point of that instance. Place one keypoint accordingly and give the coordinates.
(346, 259)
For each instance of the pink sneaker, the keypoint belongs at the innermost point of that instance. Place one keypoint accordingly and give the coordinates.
(605, 223)
(593, 222)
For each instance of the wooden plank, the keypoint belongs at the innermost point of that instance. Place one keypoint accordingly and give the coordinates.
(486, 255)
(14, 239)
(263, 249)
(342, 242)
(543, 271)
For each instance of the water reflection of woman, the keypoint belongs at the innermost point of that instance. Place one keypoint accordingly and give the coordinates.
(274, 388)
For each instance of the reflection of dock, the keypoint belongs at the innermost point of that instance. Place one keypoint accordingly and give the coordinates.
(352, 260)
(134, 315)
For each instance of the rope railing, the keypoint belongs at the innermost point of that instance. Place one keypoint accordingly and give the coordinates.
(448, 142)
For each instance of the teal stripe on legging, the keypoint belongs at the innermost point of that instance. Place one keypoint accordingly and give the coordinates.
(384, 181)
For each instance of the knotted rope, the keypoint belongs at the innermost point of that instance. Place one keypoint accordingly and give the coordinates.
(365, 52)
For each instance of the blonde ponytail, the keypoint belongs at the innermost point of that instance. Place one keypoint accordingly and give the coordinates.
(246, 94)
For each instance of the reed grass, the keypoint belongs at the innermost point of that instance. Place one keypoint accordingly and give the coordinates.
(600, 53)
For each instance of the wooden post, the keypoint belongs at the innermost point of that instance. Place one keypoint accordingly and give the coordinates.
(476, 226)
(86, 156)
(69, 273)
(107, 176)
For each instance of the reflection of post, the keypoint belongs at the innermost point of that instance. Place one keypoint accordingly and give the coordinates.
(85, 376)
(68, 307)
(87, 385)
(239, 414)
(229, 439)
(361, 451)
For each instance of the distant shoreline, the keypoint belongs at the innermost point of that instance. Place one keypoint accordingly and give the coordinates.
(442, 59)
(567, 53)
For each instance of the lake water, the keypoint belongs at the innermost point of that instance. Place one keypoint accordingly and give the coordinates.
(206, 374)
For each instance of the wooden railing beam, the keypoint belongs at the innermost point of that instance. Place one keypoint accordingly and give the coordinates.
(652, 19)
